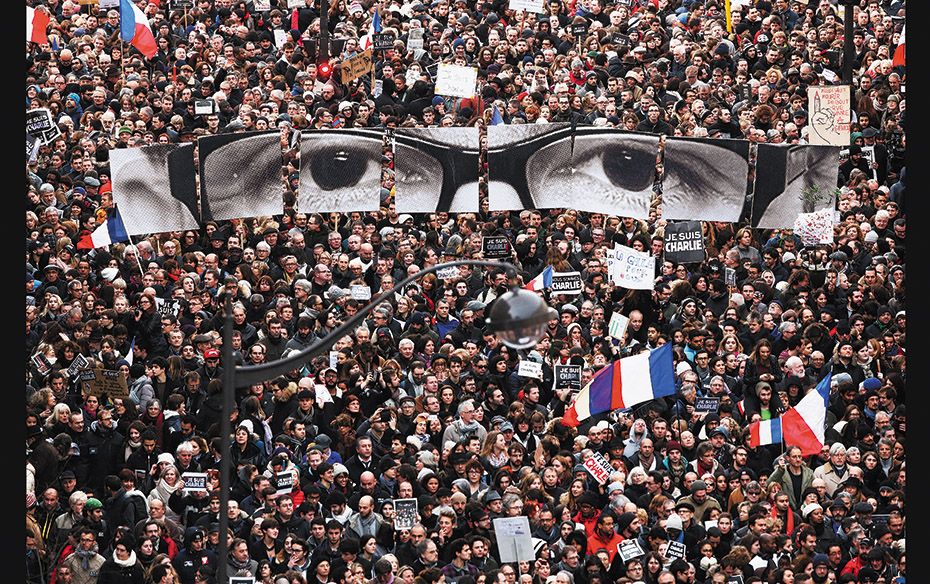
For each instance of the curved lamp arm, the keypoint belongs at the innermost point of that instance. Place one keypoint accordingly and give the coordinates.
(245, 375)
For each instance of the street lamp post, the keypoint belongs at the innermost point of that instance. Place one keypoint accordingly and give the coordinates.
(518, 317)
(849, 50)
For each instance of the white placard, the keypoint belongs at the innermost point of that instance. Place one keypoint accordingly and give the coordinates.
(514, 542)
(195, 482)
(360, 292)
(379, 87)
(448, 273)
(415, 39)
(535, 6)
(829, 111)
(322, 396)
(633, 269)
(617, 326)
(334, 359)
(528, 368)
(406, 513)
(456, 80)
(598, 467)
(280, 37)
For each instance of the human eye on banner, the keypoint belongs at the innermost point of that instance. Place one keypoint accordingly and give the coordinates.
(240, 175)
(589, 169)
(705, 179)
(436, 169)
(340, 171)
(154, 188)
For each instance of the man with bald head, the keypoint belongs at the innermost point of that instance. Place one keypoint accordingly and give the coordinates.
(367, 486)
(366, 521)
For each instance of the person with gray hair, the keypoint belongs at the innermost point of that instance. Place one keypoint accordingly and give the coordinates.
(465, 425)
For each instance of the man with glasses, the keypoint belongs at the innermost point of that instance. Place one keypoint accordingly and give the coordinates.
(85, 562)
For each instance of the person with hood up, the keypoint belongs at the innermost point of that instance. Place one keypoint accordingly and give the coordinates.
(637, 432)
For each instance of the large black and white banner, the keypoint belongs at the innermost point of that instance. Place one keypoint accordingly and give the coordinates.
(519, 159)
(340, 171)
(436, 169)
(705, 179)
(790, 180)
(599, 170)
(240, 175)
(154, 187)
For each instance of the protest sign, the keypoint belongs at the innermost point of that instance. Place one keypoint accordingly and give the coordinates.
(729, 276)
(868, 154)
(676, 549)
(41, 363)
(706, 404)
(456, 80)
(280, 37)
(629, 549)
(448, 273)
(620, 40)
(40, 124)
(568, 283)
(633, 269)
(406, 513)
(535, 6)
(514, 542)
(334, 359)
(684, 242)
(357, 66)
(598, 467)
(360, 292)
(735, 579)
(112, 383)
(80, 362)
(109, 4)
(165, 308)
(617, 325)
(195, 482)
(32, 148)
(321, 395)
(241, 580)
(284, 482)
(815, 228)
(382, 41)
(566, 377)
(828, 108)
(579, 29)
(495, 246)
(415, 39)
(204, 107)
(528, 368)
(379, 87)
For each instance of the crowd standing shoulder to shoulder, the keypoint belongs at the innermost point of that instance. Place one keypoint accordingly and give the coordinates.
(417, 431)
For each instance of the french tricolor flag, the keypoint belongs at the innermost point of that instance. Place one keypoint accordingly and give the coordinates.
(898, 58)
(36, 23)
(543, 280)
(110, 231)
(134, 29)
(765, 432)
(625, 383)
(803, 425)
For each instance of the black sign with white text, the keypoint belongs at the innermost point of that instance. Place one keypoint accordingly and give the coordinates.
(684, 242)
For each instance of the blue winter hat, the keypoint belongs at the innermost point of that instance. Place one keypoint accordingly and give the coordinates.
(438, 100)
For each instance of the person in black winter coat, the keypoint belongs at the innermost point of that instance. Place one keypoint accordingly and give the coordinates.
(193, 556)
(123, 567)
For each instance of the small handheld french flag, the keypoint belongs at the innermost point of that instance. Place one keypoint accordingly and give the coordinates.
(543, 280)
(134, 29)
(496, 118)
(625, 383)
(110, 231)
(765, 432)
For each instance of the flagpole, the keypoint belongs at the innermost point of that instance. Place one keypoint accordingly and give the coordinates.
(138, 261)
(374, 61)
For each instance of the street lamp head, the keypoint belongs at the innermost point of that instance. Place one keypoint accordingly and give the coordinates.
(519, 318)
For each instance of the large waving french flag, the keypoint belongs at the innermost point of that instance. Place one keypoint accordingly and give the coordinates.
(803, 425)
(543, 280)
(625, 383)
(134, 29)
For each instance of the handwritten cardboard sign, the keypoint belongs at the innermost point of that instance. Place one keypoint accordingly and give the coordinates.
(357, 66)
(829, 110)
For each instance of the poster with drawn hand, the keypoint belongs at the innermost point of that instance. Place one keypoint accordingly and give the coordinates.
(436, 169)
(155, 189)
(705, 179)
(792, 179)
(829, 110)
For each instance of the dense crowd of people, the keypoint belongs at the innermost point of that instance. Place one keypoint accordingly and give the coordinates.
(423, 401)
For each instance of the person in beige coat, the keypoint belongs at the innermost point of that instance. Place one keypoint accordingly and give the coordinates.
(834, 472)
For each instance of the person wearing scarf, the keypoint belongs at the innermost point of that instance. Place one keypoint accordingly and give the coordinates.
(123, 567)
(85, 562)
(163, 490)
(465, 425)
